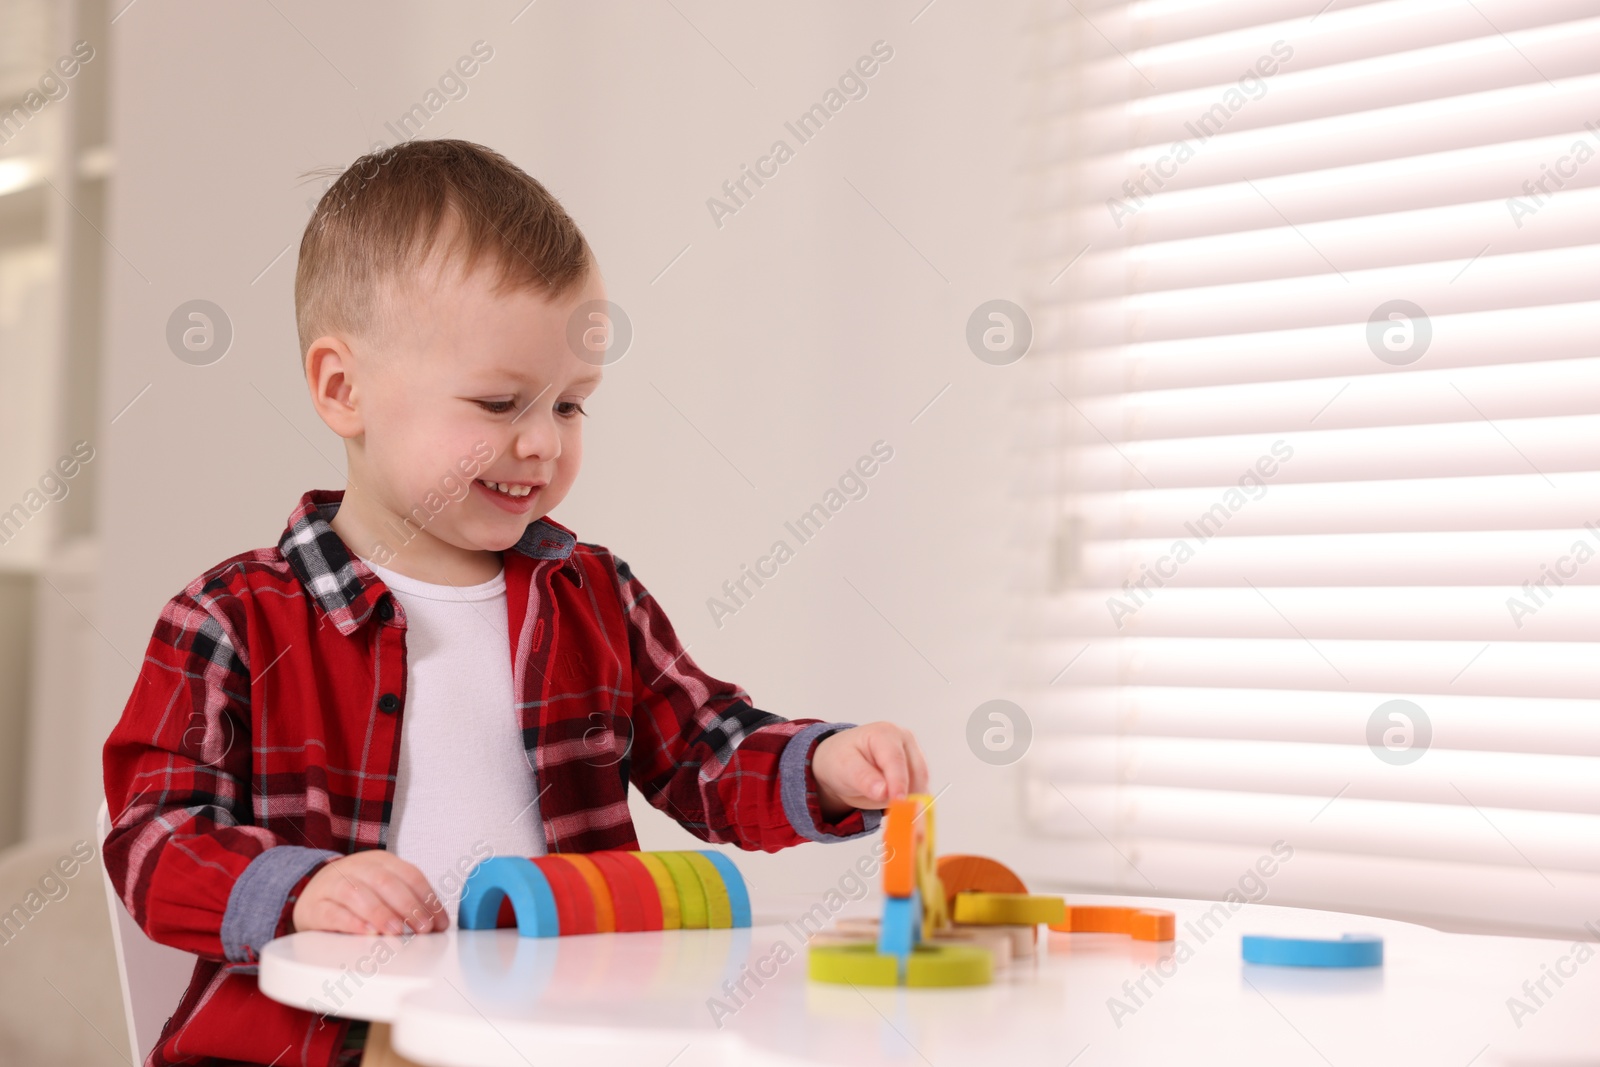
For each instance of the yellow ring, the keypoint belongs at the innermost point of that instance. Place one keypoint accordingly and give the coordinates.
(719, 911)
(666, 889)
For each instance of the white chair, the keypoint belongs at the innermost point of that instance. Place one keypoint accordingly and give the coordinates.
(153, 976)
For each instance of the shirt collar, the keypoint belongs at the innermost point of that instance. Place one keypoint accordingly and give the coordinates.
(343, 586)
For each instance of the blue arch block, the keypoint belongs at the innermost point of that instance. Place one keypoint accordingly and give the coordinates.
(1351, 950)
(516, 877)
(901, 928)
(738, 895)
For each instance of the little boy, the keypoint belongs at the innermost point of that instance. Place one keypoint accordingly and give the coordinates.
(426, 669)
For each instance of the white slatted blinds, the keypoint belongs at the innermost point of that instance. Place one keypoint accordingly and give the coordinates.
(1323, 362)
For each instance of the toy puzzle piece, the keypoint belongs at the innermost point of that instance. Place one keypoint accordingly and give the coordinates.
(574, 901)
(902, 831)
(719, 911)
(1009, 908)
(633, 892)
(666, 889)
(975, 874)
(1141, 924)
(692, 910)
(509, 880)
(605, 892)
(901, 927)
(733, 883)
(1351, 950)
(605, 915)
(930, 964)
(901, 948)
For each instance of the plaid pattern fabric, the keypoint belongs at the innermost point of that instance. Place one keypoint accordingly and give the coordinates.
(262, 736)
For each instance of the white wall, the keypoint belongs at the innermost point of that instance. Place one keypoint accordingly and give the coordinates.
(803, 330)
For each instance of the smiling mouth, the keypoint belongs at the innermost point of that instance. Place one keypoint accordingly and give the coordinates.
(514, 490)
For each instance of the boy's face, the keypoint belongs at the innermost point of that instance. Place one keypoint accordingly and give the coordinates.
(468, 386)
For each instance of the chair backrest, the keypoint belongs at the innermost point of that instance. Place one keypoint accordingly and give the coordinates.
(153, 976)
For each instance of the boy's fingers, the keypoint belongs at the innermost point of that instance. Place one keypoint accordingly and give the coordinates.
(414, 879)
(334, 916)
(919, 765)
(398, 894)
(368, 906)
(890, 756)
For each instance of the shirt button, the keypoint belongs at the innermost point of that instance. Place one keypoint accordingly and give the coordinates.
(385, 610)
(388, 703)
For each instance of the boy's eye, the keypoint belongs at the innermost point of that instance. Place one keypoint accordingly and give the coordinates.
(567, 408)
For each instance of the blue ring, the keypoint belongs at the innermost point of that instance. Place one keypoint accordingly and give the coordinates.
(1351, 950)
(733, 881)
(516, 877)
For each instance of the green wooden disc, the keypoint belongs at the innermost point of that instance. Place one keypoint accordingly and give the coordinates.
(931, 964)
(691, 895)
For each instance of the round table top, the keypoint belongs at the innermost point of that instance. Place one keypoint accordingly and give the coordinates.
(690, 997)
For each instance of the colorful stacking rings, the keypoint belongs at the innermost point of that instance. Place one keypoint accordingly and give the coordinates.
(605, 892)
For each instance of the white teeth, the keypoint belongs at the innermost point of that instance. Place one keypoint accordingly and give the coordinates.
(509, 490)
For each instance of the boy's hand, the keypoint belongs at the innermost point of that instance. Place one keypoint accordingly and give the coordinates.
(866, 767)
(369, 892)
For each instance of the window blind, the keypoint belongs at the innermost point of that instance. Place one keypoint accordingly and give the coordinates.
(1318, 309)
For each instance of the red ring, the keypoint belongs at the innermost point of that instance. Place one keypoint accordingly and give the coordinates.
(574, 901)
(623, 879)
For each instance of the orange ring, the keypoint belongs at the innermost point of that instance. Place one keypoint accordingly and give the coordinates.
(605, 915)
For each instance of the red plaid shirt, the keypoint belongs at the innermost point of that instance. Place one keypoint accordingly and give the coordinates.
(262, 737)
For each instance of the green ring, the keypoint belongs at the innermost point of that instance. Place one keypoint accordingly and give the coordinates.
(931, 965)
(694, 915)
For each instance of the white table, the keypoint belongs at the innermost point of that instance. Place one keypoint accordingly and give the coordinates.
(493, 999)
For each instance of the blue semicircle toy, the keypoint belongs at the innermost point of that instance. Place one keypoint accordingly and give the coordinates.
(518, 878)
(1351, 950)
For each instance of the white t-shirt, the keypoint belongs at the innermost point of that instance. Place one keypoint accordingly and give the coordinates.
(464, 785)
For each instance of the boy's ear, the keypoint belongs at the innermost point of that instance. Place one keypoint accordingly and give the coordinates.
(330, 375)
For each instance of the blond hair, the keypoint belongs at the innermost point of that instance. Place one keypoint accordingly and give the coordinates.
(379, 222)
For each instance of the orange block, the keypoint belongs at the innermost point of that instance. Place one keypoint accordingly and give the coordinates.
(975, 874)
(901, 830)
(1141, 924)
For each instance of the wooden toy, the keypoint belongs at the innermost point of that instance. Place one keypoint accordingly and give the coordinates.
(861, 926)
(1351, 950)
(901, 830)
(999, 941)
(666, 889)
(993, 940)
(1009, 908)
(605, 892)
(1024, 938)
(929, 964)
(1141, 924)
(633, 891)
(508, 880)
(691, 897)
(976, 874)
(908, 947)
(605, 915)
(719, 911)
(574, 901)
(733, 884)
(901, 927)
